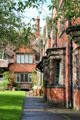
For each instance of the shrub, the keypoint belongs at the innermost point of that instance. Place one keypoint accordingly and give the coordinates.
(6, 80)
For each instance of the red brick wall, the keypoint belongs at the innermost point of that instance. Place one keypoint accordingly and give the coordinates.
(56, 94)
(76, 98)
(25, 85)
(21, 67)
(49, 43)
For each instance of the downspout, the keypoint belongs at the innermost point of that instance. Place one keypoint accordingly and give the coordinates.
(71, 83)
(70, 105)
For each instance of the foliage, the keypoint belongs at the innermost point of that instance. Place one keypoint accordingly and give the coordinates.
(7, 78)
(12, 29)
(11, 102)
(1, 86)
(64, 10)
(34, 78)
(67, 8)
(16, 85)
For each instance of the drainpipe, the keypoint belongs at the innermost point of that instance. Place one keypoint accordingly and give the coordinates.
(71, 82)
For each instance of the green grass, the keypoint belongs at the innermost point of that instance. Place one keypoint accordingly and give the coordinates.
(11, 103)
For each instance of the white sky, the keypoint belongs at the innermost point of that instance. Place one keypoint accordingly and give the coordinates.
(33, 13)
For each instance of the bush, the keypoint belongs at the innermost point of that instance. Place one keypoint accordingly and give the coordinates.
(17, 86)
(1, 85)
(6, 80)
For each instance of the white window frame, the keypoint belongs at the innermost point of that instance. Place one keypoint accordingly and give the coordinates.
(23, 60)
(18, 61)
(26, 60)
(29, 74)
(30, 59)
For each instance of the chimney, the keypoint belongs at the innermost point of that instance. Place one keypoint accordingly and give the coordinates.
(37, 27)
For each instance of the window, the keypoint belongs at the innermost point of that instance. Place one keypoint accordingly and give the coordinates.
(37, 57)
(17, 77)
(23, 77)
(29, 77)
(24, 58)
(26, 77)
(18, 58)
(56, 71)
(30, 59)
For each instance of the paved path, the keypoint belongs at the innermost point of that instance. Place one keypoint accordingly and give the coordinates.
(35, 109)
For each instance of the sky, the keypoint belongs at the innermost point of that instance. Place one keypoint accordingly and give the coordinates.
(33, 13)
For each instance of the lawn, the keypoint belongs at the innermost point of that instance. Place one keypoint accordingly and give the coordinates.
(11, 103)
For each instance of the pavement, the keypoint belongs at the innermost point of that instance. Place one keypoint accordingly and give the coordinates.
(35, 109)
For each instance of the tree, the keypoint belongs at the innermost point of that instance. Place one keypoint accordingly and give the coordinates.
(10, 21)
(69, 9)
(66, 10)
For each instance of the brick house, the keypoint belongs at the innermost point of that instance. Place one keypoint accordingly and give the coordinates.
(55, 65)
(22, 62)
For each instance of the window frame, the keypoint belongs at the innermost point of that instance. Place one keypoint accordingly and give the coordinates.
(17, 59)
(23, 73)
(56, 73)
(24, 56)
